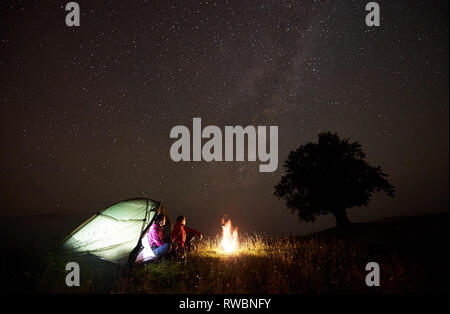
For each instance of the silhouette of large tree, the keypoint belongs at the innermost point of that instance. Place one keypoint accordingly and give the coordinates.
(329, 176)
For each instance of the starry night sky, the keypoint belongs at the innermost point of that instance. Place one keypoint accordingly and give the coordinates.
(86, 111)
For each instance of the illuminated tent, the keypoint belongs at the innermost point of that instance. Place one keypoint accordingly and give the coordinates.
(113, 233)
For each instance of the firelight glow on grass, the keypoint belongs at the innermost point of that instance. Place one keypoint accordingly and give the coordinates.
(254, 245)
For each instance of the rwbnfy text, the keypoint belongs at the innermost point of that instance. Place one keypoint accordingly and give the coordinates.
(212, 149)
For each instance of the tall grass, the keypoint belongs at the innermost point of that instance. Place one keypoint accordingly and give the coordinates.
(328, 262)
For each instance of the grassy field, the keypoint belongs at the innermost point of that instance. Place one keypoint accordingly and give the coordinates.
(412, 253)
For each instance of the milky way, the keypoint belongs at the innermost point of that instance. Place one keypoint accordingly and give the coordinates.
(86, 111)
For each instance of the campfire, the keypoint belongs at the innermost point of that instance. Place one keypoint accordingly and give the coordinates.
(229, 241)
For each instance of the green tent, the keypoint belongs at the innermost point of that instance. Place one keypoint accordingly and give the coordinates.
(113, 233)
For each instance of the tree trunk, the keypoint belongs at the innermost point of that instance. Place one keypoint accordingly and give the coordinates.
(341, 218)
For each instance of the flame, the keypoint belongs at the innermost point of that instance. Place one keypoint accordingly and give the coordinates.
(229, 237)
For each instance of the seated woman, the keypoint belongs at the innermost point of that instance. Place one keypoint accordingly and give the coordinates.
(183, 237)
(155, 237)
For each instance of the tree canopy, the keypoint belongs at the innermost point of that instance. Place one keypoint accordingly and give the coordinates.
(329, 176)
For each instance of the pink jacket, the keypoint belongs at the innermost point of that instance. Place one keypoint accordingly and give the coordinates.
(154, 236)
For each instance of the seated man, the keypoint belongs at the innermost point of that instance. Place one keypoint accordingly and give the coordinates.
(183, 237)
